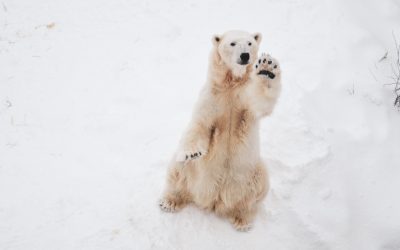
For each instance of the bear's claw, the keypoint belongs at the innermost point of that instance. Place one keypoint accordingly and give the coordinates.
(167, 206)
(189, 155)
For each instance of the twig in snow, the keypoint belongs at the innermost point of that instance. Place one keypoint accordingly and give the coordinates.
(396, 73)
(48, 26)
(383, 57)
(370, 71)
(351, 91)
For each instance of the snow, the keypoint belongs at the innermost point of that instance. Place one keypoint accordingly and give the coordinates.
(94, 96)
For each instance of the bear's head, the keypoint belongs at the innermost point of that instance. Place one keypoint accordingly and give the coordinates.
(237, 50)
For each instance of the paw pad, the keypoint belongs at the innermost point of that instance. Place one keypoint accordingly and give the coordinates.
(267, 66)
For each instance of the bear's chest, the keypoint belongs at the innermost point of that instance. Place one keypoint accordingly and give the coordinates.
(233, 119)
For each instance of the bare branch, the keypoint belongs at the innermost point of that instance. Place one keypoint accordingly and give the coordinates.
(396, 72)
(383, 57)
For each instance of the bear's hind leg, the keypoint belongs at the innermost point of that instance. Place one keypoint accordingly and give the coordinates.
(242, 215)
(176, 195)
(260, 180)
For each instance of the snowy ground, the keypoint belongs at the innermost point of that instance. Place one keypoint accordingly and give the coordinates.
(94, 96)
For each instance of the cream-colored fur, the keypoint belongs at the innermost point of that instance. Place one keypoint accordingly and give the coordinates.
(218, 165)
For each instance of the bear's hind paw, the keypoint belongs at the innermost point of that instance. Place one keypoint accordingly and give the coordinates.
(168, 206)
(241, 225)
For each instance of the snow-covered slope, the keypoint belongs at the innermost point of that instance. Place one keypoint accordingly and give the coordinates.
(94, 96)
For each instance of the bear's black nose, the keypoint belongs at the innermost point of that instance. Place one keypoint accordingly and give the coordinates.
(245, 57)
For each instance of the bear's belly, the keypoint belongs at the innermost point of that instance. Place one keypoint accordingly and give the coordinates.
(224, 185)
(232, 156)
(234, 138)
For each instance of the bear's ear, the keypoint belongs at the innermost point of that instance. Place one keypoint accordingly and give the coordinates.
(216, 39)
(257, 36)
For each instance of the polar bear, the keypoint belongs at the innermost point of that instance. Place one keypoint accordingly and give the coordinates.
(218, 166)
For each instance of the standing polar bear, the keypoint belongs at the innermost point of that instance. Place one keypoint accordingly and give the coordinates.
(218, 165)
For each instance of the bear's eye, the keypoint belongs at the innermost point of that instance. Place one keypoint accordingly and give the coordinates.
(233, 44)
(249, 44)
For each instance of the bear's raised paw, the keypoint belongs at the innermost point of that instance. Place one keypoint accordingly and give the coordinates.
(267, 66)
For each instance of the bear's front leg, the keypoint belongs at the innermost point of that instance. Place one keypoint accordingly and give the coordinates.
(264, 89)
(194, 143)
